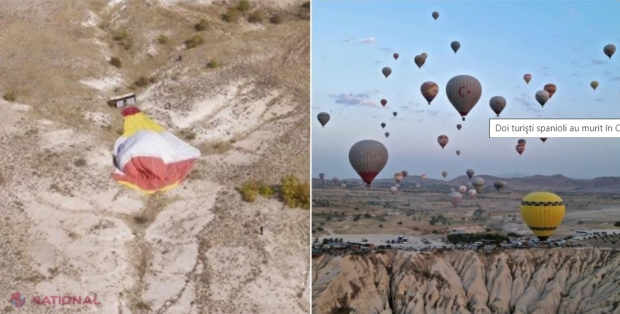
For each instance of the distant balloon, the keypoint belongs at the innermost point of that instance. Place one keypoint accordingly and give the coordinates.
(398, 177)
(383, 102)
(527, 78)
(323, 118)
(423, 177)
(470, 173)
(419, 61)
(542, 96)
(393, 189)
(395, 113)
(344, 185)
(499, 185)
(543, 212)
(417, 185)
(435, 15)
(442, 140)
(550, 88)
(462, 189)
(520, 149)
(543, 139)
(456, 198)
(594, 85)
(387, 134)
(322, 176)
(336, 180)
(368, 157)
(463, 91)
(424, 55)
(478, 184)
(458, 127)
(455, 46)
(383, 125)
(429, 91)
(609, 50)
(458, 152)
(452, 190)
(472, 193)
(395, 56)
(444, 174)
(521, 142)
(498, 103)
(405, 173)
(386, 71)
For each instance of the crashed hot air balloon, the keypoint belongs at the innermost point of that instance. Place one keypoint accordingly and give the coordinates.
(442, 140)
(470, 173)
(419, 61)
(444, 174)
(458, 152)
(387, 134)
(429, 91)
(472, 193)
(323, 118)
(405, 173)
(393, 190)
(542, 96)
(609, 50)
(398, 177)
(543, 212)
(456, 198)
(394, 113)
(462, 189)
(395, 56)
(550, 88)
(499, 185)
(383, 102)
(543, 139)
(527, 78)
(368, 157)
(148, 158)
(520, 149)
(463, 91)
(386, 71)
(478, 184)
(435, 15)
(458, 127)
(455, 45)
(424, 55)
(322, 176)
(498, 103)
(383, 125)
(594, 85)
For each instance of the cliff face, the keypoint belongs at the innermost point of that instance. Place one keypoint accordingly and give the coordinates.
(519, 281)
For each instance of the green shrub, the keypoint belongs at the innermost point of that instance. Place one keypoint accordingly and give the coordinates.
(244, 6)
(256, 17)
(119, 35)
(214, 63)
(249, 191)
(194, 42)
(162, 39)
(10, 96)
(276, 19)
(115, 61)
(143, 81)
(265, 190)
(231, 16)
(295, 193)
(202, 25)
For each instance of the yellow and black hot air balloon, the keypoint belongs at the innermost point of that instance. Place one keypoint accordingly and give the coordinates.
(543, 212)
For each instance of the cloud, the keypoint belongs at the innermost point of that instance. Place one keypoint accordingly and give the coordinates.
(617, 78)
(404, 108)
(348, 40)
(414, 103)
(351, 99)
(433, 113)
(597, 61)
(598, 99)
(527, 102)
(545, 67)
(387, 49)
(368, 40)
(419, 111)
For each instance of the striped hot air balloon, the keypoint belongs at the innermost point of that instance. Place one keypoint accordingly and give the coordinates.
(478, 184)
(551, 89)
(429, 91)
(368, 157)
(543, 212)
(148, 158)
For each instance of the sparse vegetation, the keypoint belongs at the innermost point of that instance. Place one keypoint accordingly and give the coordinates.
(202, 25)
(194, 42)
(232, 15)
(115, 61)
(10, 96)
(143, 81)
(276, 19)
(306, 5)
(213, 63)
(215, 148)
(80, 162)
(244, 6)
(295, 193)
(119, 35)
(162, 39)
(256, 17)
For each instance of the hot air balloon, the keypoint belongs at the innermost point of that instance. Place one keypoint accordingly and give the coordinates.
(609, 50)
(393, 190)
(458, 127)
(520, 149)
(462, 189)
(442, 140)
(444, 174)
(527, 78)
(463, 91)
(458, 152)
(387, 134)
(405, 173)
(424, 55)
(452, 190)
(335, 180)
(344, 185)
(386, 72)
(429, 90)
(345, 181)
(417, 185)
(394, 113)
(368, 157)
(499, 185)
(383, 125)
(455, 46)
(456, 198)
(521, 142)
(398, 177)
(550, 88)
(395, 56)
(498, 103)
(419, 61)
(478, 184)
(594, 85)
(147, 157)
(322, 176)
(543, 212)
(383, 102)
(469, 185)
(543, 139)
(470, 173)
(542, 96)
(323, 118)
(423, 177)
(472, 193)
(435, 15)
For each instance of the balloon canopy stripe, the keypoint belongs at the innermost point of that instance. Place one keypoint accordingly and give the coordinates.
(526, 203)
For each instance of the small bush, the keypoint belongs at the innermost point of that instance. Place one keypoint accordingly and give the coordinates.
(580, 222)
(617, 224)
(295, 193)
(115, 61)
(256, 17)
(231, 16)
(380, 226)
(142, 81)
(194, 42)
(80, 162)
(244, 6)
(10, 96)
(276, 19)
(162, 39)
(249, 191)
(434, 231)
(202, 25)
(400, 222)
(265, 190)
(119, 35)
(214, 63)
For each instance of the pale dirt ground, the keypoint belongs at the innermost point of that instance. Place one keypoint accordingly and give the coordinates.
(69, 229)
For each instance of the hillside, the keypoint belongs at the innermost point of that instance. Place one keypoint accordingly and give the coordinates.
(239, 92)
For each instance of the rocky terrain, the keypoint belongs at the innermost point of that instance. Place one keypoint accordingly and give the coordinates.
(240, 93)
(517, 281)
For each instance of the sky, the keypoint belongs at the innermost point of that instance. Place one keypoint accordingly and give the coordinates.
(558, 42)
